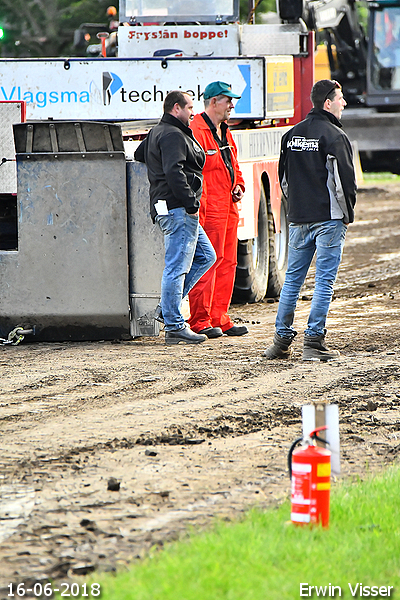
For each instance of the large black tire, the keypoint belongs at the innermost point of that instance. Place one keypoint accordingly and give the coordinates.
(278, 252)
(262, 261)
(253, 261)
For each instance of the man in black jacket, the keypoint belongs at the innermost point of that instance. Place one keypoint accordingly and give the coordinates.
(175, 161)
(317, 177)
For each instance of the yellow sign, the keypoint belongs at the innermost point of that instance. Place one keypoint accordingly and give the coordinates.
(280, 86)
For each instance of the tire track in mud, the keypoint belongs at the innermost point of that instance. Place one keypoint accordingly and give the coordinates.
(77, 526)
(260, 398)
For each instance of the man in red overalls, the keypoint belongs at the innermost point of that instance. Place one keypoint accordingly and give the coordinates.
(223, 187)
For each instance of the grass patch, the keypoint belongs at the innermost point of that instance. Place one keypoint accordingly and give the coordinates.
(262, 557)
(375, 178)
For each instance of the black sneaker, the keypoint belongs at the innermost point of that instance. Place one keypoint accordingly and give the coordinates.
(212, 332)
(237, 330)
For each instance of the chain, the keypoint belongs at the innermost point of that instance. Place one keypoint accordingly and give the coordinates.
(15, 336)
(4, 160)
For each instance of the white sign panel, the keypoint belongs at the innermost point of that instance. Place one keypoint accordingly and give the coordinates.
(331, 435)
(179, 41)
(259, 144)
(10, 112)
(118, 89)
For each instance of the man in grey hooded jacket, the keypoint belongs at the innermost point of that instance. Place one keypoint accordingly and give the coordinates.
(317, 177)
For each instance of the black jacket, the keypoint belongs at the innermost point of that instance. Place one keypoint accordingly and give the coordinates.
(316, 170)
(174, 161)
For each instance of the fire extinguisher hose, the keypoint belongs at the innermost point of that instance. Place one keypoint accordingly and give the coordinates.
(292, 447)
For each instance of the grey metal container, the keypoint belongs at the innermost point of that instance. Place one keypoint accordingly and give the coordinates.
(68, 278)
(146, 254)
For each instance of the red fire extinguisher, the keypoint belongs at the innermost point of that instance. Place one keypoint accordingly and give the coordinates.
(310, 471)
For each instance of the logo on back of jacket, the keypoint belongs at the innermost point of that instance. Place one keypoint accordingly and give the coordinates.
(302, 144)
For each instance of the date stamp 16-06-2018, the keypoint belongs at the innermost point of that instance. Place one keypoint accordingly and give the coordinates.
(47, 590)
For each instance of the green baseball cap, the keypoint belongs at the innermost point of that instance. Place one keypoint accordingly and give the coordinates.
(219, 87)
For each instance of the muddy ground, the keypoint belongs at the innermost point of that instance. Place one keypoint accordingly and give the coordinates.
(189, 433)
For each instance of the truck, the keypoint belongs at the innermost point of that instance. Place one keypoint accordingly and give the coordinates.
(361, 39)
(77, 112)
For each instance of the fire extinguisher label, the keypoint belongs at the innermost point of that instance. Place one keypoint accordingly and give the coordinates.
(299, 517)
(301, 468)
(301, 492)
(324, 469)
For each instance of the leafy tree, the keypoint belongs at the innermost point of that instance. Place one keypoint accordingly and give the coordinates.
(44, 28)
(261, 6)
(40, 28)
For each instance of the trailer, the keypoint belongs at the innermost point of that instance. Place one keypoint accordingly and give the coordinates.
(88, 261)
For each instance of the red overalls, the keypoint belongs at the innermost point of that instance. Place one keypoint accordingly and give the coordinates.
(210, 298)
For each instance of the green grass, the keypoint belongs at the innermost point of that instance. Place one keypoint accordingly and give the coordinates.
(263, 557)
(380, 178)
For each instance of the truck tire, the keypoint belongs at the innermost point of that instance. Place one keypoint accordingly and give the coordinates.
(262, 261)
(253, 261)
(278, 252)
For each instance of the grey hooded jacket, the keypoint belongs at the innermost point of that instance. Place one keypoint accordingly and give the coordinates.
(316, 170)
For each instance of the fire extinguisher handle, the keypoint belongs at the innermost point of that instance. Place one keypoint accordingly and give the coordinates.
(314, 433)
(292, 447)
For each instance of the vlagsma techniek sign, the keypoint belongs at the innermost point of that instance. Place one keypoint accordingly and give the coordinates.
(126, 89)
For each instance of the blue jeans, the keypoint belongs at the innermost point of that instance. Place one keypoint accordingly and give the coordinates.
(188, 255)
(305, 239)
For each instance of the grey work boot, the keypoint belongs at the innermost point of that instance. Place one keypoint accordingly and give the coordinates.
(184, 335)
(315, 349)
(280, 348)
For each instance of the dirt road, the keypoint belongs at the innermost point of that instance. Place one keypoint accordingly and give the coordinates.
(183, 434)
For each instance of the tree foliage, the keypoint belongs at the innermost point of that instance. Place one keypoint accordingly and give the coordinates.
(262, 6)
(44, 28)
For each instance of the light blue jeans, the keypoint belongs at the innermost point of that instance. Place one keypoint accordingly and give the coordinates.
(326, 239)
(188, 255)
